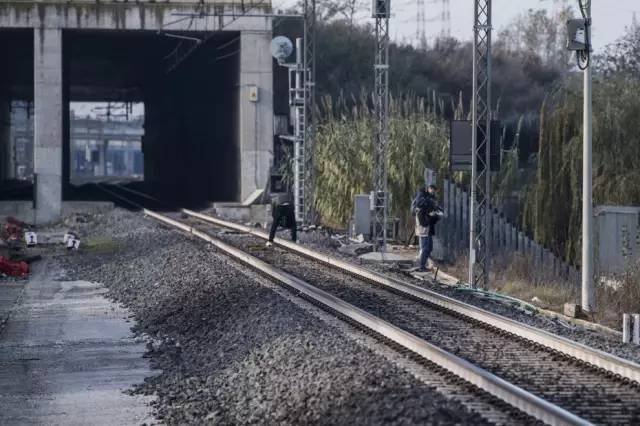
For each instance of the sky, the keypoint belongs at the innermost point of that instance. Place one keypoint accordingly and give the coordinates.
(610, 17)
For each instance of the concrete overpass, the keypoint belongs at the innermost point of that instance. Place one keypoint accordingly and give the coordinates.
(208, 104)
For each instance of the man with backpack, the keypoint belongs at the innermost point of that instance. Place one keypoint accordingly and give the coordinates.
(283, 214)
(427, 212)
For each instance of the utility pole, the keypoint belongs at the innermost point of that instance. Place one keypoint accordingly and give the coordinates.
(479, 260)
(588, 302)
(421, 25)
(379, 196)
(444, 17)
(309, 60)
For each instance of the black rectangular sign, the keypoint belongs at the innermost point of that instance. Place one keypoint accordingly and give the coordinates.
(460, 146)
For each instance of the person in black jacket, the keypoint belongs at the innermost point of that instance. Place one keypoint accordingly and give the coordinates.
(427, 212)
(283, 214)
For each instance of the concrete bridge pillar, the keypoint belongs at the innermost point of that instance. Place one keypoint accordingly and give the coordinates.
(48, 123)
(129, 151)
(7, 154)
(102, 162)
(256, 111)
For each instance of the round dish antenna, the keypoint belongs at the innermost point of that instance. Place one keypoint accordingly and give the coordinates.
(281, 48)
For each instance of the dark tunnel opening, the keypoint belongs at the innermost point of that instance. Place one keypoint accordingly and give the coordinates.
(16, 114)
(190, 133)
(195, 109)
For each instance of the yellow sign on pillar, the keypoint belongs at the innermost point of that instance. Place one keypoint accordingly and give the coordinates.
(253, 93)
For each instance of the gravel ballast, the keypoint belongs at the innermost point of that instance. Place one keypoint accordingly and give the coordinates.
(559, 381)
(233, 351)
(599, 340)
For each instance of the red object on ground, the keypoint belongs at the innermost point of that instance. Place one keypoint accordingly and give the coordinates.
(13, 269)
(12, 220)
(13, 229)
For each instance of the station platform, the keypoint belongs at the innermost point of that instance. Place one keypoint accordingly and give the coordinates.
(67, 354)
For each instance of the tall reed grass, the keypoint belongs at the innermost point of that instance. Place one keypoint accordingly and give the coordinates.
(344, 153)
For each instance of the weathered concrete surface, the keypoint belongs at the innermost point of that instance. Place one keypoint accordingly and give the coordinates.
(47, 143)
(256, 116)
(24, 211)
(154, 16)
(388, 257)
(7, 157)
(66, 356)
(9, 294)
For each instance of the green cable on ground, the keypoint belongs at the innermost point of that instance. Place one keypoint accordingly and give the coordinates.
(498, 297)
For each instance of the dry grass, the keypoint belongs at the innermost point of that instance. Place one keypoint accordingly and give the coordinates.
(615, 298)
(103, 245)
(516, 276)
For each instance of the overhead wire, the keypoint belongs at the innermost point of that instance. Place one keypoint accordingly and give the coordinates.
(278, 21)
(200, 15)
(176, 50)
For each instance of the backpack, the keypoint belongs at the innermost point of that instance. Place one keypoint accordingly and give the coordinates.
(424, 214)
(424, 219)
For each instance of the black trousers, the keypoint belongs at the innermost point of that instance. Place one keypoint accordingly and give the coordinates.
(284, 216)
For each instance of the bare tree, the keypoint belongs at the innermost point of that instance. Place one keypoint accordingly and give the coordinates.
(346, 10)
(541, 33)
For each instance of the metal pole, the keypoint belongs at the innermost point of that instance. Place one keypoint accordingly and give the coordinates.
(474, 160)
(298, 103)
(588, 302)
(309, 60)
(381, 104)
(626, 328)
(479, 256)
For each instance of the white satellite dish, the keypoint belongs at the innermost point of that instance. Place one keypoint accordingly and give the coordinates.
(281, 48)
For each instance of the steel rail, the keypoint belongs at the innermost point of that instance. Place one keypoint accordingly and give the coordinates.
(102, 188)
(568, 347)
(141, 194)
(507, 392)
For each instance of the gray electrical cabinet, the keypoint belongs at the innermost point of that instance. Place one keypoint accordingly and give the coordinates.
(577, 34)
(362, 215)
(617, 230)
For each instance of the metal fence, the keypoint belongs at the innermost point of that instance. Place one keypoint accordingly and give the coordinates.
(505, 238)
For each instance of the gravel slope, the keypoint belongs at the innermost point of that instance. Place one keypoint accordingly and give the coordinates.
(232, 350)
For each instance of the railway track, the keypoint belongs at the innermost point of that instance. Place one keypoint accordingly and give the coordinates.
(551, 379)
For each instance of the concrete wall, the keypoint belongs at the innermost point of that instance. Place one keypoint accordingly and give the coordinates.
(130, 16)
(23, 210)
(256, 116)
(7, 167)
